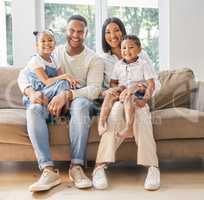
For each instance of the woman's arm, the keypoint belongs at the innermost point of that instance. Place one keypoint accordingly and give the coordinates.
(150, 88)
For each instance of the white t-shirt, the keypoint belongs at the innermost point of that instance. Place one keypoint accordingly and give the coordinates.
(110, 61)
(139, 71)
(37, 61)
(87, 67)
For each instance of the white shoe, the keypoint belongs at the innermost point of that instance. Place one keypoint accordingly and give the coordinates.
(47, 180)
(77, 176)
(152, 181)
(99, 178)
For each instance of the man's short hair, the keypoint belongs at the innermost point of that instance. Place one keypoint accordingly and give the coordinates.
(79, 18)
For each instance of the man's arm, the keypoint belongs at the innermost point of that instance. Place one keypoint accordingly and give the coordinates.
(94, 80)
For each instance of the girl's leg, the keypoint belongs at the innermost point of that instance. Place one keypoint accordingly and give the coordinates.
(105, 111)
(129, 109)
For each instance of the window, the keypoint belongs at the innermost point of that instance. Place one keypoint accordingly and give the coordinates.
(139, 16)
(57, 12)
(9, 33)
(6, 56)
(142, 19)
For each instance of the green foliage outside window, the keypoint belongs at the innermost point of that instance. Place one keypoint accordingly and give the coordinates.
(143, 22)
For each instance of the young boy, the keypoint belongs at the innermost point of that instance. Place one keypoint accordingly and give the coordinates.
(134, 80)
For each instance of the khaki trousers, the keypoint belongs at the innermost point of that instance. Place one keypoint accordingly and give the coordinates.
(142, 131)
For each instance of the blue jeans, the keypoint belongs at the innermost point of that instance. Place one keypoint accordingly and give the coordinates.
(50, 91)
(81, 111)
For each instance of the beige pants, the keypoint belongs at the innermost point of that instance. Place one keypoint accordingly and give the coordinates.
(142, 131)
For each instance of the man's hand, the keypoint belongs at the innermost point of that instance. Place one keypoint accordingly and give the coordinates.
(38, 97)
(56, 104)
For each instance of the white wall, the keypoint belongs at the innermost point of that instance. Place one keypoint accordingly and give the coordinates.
(25, 19)
(3, 49)
(182, 35)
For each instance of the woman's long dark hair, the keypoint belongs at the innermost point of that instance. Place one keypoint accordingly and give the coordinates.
(106, 47)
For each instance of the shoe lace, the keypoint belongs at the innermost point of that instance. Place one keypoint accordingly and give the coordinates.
(78, 173)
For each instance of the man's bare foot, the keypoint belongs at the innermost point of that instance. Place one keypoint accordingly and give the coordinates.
(126, 132)
(102, 127)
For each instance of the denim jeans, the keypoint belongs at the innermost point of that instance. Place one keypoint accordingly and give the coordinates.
(81, 111)
(48, 91)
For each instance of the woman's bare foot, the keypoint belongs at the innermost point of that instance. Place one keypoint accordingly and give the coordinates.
(102, 127)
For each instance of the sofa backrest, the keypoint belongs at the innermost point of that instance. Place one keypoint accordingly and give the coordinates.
(10, 95)
(176, 89)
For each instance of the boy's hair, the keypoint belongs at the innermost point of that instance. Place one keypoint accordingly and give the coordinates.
(79, 18)
(46, 31)
(134, 38)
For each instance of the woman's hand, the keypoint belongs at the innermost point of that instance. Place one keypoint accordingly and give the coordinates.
(135, 87)
(140, 102)
(123, 95)
(113, 91)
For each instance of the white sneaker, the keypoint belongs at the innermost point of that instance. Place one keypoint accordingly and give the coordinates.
(152, 181)
(76, 174)
(99, 178)
(47, 180)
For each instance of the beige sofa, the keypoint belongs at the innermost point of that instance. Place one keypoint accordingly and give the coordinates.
(178, 126)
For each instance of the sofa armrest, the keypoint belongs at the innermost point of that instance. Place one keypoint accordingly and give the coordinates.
(197, 102)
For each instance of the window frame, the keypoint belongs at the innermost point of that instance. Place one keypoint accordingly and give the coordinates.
(37, 22)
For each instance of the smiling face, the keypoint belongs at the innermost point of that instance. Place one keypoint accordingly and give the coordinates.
(45, 44)
(129, 50)
(76, 33)
(113, 35)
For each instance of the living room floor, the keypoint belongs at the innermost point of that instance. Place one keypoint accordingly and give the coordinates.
(179, 180)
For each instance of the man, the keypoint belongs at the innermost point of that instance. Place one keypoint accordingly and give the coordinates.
(76, 59)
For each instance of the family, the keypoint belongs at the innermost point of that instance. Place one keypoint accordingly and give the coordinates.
(68, 79)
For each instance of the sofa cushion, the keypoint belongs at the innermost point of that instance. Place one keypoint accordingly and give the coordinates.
(13, 128)
(178, 123)
(172, 123)
(176, 88)
(10, 95)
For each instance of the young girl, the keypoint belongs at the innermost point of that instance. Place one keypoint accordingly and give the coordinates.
(134, 80)
(43, 73)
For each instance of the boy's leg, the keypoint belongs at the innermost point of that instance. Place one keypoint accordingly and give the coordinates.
(129, 109)
(105, 111)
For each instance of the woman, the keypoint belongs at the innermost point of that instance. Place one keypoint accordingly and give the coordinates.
(112, 33)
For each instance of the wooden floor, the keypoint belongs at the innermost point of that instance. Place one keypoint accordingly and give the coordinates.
(179, 181)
